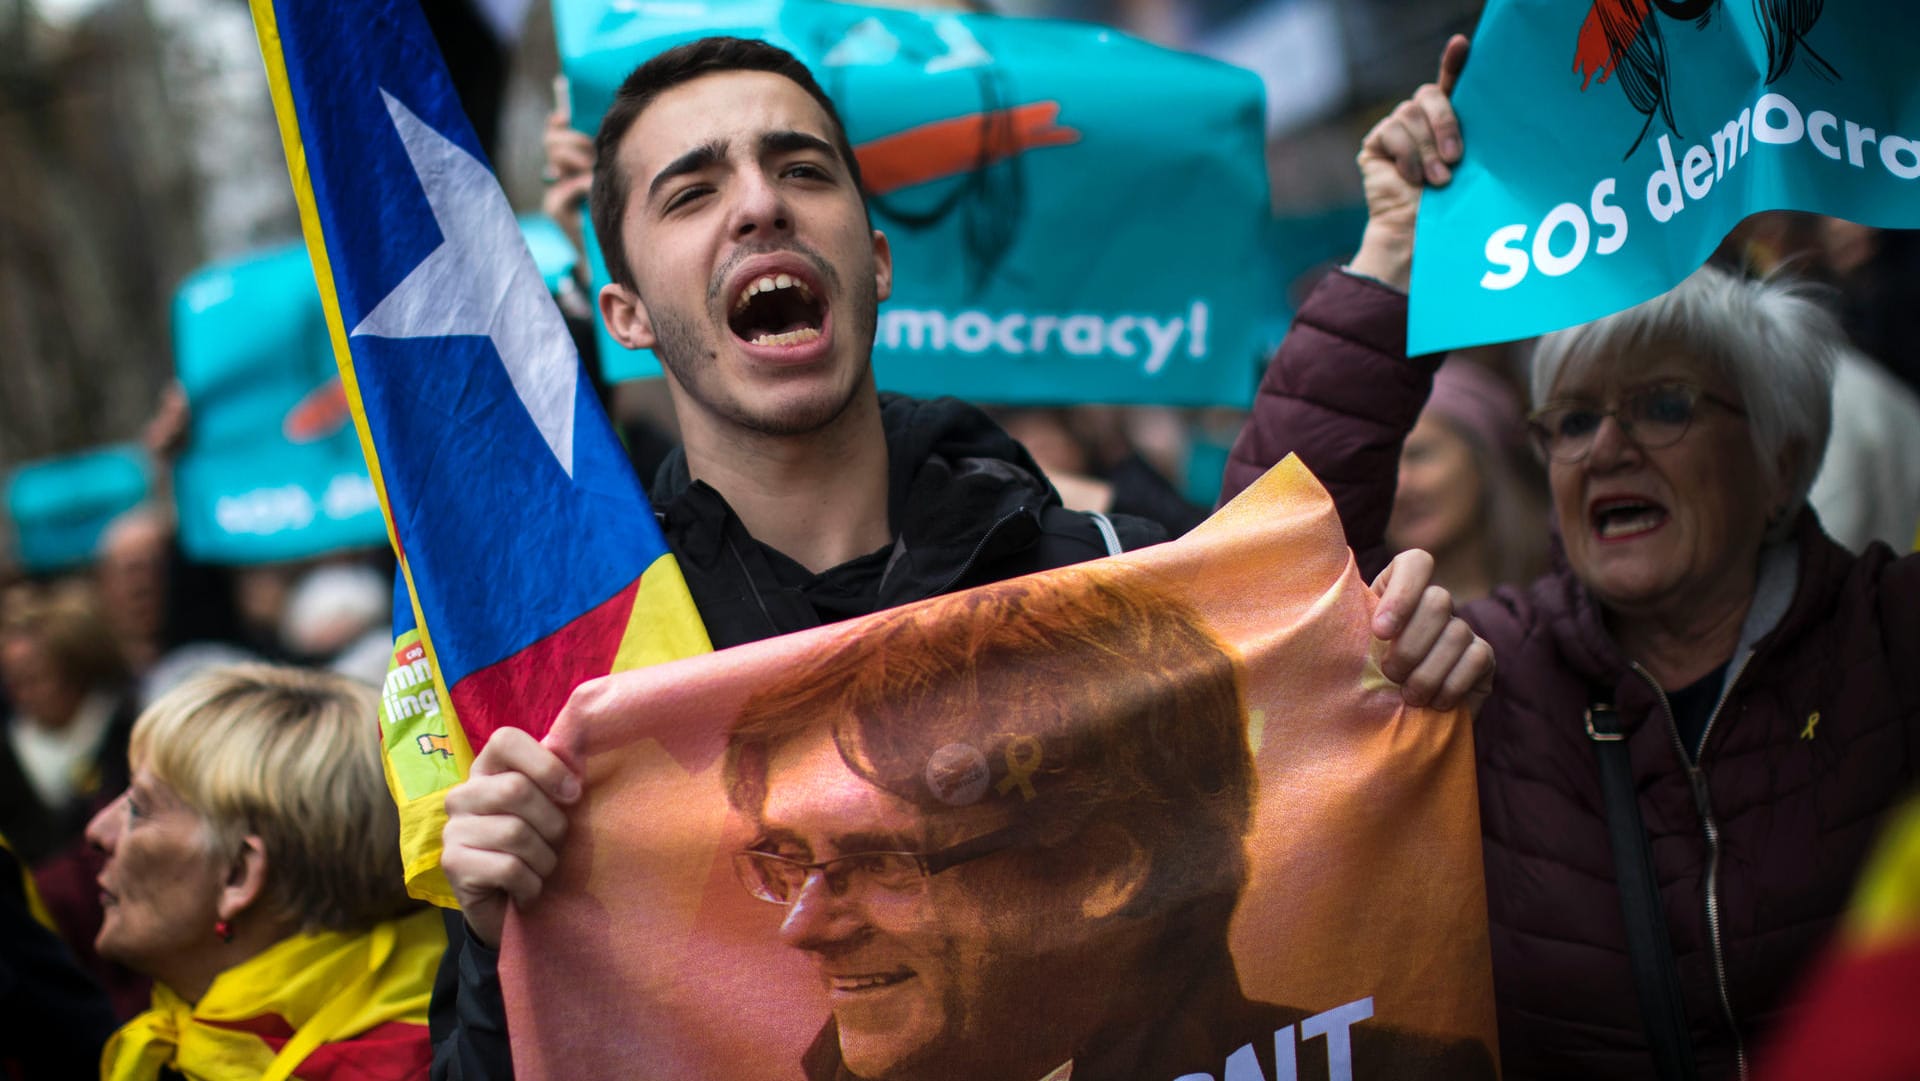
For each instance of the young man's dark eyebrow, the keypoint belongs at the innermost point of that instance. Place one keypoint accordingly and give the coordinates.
(788, 142)
(700, 157)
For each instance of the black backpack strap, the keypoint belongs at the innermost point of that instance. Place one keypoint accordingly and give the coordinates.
(1650, 951)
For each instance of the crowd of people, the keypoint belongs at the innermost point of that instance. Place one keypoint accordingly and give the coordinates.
(1681, 551)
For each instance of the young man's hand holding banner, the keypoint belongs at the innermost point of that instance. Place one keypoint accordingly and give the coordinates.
(1612, 144)
(530, 557)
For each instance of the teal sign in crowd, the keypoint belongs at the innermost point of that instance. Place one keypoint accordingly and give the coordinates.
(273, 470)
(59, 507)
(1611, 146)
(1075, 215)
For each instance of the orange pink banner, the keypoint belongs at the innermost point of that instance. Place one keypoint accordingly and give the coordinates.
(1158, 817)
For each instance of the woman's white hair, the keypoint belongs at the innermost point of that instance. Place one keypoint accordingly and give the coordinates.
(1774, 342)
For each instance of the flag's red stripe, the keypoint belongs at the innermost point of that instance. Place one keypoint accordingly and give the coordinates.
(527, 689)
(395, 1051)
(1856, 1020)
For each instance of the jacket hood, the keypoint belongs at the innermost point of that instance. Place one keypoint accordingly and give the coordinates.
(966, 503)
(931, 432)
(917, 431)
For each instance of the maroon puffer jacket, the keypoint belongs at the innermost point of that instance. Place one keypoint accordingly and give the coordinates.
(1816, 738)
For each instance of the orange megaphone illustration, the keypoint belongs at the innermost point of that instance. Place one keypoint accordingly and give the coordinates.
(958, 145)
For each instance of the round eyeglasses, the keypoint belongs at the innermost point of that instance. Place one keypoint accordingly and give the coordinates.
(779, 879)
(1653, 416)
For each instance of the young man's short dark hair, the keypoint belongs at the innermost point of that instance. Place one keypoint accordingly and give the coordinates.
(607, 202)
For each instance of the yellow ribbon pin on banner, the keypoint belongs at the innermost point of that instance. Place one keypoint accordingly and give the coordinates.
(1023, 758)
(1813, 721)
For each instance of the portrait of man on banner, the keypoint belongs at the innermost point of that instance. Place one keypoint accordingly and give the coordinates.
(1011, 840)
(1156, 818)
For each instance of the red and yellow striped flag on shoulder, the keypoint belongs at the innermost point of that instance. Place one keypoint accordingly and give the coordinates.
(327, 1006)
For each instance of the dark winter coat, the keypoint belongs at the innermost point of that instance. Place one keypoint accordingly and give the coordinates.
(1755, 849)
(967, 505)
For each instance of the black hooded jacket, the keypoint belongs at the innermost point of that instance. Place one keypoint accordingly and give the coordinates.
(967, 505)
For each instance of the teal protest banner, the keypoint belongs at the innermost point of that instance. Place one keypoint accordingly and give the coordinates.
(1610, 147)
(272, 469)
(59, 507)
(1075, 215)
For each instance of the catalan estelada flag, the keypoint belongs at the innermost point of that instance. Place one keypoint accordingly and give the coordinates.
(529, 557)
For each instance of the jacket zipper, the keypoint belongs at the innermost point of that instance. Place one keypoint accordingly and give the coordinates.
(1703, 805)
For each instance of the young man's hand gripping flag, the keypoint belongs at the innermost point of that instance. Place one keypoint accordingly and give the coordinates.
(529, 557)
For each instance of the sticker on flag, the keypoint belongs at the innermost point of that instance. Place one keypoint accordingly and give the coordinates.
(530, 561)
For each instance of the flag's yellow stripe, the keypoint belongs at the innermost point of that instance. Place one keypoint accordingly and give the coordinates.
(267, 27)
(663, 625)
(1886, 903)
(422, 865)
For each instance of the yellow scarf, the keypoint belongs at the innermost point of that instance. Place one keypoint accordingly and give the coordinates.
(263, 1017)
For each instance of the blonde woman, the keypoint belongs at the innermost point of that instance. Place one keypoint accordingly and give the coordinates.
(253, 871)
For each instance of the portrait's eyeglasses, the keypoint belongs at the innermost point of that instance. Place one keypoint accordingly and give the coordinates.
(1653, 416)
(779, 879)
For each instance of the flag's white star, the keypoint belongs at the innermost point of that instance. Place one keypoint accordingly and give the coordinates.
(481, 280)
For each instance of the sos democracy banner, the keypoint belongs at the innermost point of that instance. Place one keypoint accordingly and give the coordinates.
(1157, 817)
(1611, 145)
(1075, 215)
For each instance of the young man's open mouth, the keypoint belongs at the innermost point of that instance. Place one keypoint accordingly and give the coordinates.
(778, 310)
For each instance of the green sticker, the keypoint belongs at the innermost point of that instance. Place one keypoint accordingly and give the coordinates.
(413, 729)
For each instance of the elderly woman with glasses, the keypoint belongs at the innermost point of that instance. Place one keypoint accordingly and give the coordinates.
(1763, 681)
(253, 870)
